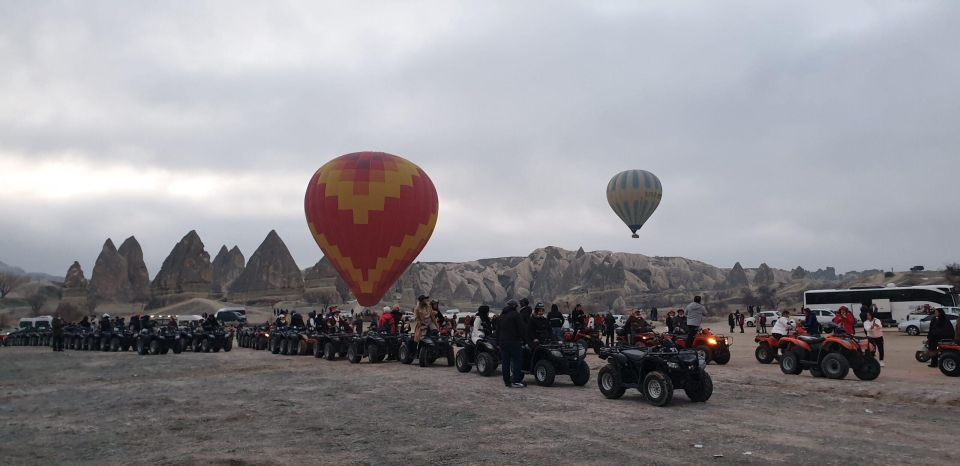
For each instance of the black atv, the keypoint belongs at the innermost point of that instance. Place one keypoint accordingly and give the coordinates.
(485, 354)
(548, 360)
(431, 347)
(373, 345)
(297, 342)
(117, 339)
(655, 372)
(158, 340)
(246, 337)
(212, 339)
(333, 345)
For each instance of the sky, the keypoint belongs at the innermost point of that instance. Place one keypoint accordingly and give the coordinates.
(792, 133)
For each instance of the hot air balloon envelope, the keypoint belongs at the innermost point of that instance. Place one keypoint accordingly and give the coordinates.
(371, 213)
(634, 195)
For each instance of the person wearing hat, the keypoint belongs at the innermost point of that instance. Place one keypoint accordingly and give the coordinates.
(511, 333)
(424, 318)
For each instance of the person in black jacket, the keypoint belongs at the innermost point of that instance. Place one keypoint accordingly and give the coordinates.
(296, 320)
(538, 330)
(610, 322)
(511, 334)
(940, 329)
(556, 322)
(576, 318)
(525, 311)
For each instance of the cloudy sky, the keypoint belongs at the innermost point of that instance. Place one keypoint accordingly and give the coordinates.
(795, 133)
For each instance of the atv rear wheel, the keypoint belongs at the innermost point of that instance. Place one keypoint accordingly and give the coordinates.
(581, 375)
(177, 347)
(610, 382)
(285, 347)
(373, 354)
(405, 354)
(544, 373)
(205, 345)
(790, 363)
(486, 365)
(451, 357)
(422, 356)
(228, 345)
(922, 356)
(657, 388)
(869, 369)
(329, 351)
(353, 355)
(462, 365)
(317, 350)
(835, 366)
(701, 391)
(764, 353)
(950, 364)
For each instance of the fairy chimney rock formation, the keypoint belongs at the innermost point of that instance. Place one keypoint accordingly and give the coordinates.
(75, 283)
(109, 281)
(227, 266)
(186, 273)
(737, 277)
(271, 274)
(137, 276)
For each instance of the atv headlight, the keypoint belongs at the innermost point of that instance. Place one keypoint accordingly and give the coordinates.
(556, 353)
(712, 341)
(673, 365)
(266, 334)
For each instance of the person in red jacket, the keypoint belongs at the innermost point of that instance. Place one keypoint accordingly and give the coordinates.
(844, 319)
(386, 323)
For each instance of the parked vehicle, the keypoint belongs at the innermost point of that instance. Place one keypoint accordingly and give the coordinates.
(374, 346)
(586, 337)
(158, 340)
(830, 356)
(231, 316)
(484, 354)
(917, 326)
(716, 348)
(655, 372)
(768, 346)
(548, 360)
(949, 362)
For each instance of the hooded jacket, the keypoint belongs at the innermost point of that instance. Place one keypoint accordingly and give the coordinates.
(510, 326)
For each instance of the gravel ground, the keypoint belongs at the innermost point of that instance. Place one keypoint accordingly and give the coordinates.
(251, 407)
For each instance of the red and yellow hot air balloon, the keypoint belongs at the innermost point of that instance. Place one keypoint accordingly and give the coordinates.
(371, 213)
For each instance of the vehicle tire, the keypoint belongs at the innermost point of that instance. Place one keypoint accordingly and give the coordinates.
(422, 356)
(124, 347)
(317, 350)
(141, 347)
(285, 347)
(913, 330)
(177, 347)
(701, 391)
(275, 346)
(451, 357)
(544, 373)
(750, 324)
(329, 352)
(706, 353)
(114, 344)
(353, 355)
(228, 346)
(816, 372)
(373, 354)
(486, 365)
(764, 353)
(404, 353)
(722, 357)
(216, 347)
(950, 364)
(205, 345)
(790, 363)
(868, 370)
(657, 388)
(581, 375)
(462, 365)
(155, 347)
(597, 346)
(610, 382)
(105, 343)
(835, 366)
(164, 349)
(922, 356)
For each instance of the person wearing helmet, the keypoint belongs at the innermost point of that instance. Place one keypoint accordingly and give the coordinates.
(511, 334)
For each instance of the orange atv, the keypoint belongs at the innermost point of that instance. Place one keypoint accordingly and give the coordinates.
(716, 348)
(769, 346)
(949, 357)
(830, 356)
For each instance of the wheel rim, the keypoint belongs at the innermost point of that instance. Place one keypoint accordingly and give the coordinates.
(482, 364)
(607, 381)
(788, 364)
(949, 364)
(762, 352)
(832, 366)
(541, 373)
(654, 389)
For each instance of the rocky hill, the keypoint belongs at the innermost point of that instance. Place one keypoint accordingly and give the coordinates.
(270, 275)
(185, 273)
(227, 266)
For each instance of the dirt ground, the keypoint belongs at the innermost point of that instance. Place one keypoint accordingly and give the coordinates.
(251, 407)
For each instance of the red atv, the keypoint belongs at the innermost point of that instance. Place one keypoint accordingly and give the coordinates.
(586, 337)
(769, 346)
(949, 357)
(646, 339)
(831, 356)
(715, 347)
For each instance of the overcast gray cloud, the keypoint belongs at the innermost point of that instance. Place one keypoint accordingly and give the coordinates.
(801, 133)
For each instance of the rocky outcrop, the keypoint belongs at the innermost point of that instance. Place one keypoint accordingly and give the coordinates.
(737, 277)
(227, 266)
(75, 284)
(271, 274)
(798, 273)
(322, 284)
(764, 275)
(109, 281)
(186, 273)
(137, 276)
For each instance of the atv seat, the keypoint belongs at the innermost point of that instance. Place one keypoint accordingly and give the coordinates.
(812, 339)
(634, 355)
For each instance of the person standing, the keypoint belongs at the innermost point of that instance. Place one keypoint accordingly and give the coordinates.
(731, 320)
(630, 325)
(810, 322)
(611, 327)
(695, 312)
(940, 329)
(576, 318)
(556, 322)
(57, 333)
(525, 311)
(874, 328)
(740, 320)
(864, 309)
(511, 334)
(680, 322)
(653, 314)
(761, 323)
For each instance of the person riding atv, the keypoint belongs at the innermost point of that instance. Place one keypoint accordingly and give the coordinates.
(480, 347)
(831, 356)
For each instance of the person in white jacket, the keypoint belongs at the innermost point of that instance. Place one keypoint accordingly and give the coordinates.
(783, 326)
(874, 328)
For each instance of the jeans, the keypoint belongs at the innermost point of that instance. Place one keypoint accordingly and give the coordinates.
(511, 357)
(691, 334)
(558, 333)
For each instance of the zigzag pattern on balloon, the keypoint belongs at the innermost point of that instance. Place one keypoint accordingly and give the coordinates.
(364, 187)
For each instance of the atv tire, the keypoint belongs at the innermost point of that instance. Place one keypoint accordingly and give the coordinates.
(228, 346)
(373, 354)
(722, 357)
(868, 370)
(835, 366)
(486, 365)
(950, 364)
(764, 354)
(114, 344)
(317, 350)
(790, 363)
(329, 352)
(657, 388)
(155, 347)
(461, 362)
(177, 347)
(404, 354)
(451, 357)
(544, 373)
(353, 355)
(610, 382)
(922, 356)
(141, 347)
(205, 345)
(422, 357)
(701, 391)
(285, 347)
(581, 375)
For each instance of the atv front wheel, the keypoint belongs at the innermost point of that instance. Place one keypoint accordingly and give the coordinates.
(701, 391)
(658, 388)
(868, 370)
(141, 347)
(317, 350)
(835, 366)
(764, 353)
(722, 357)
(950, 364)
(404, 354)
(462, 365)
(115, 344)
(451, 357)
(486, 365)
(155, 347)
(228, 346)
(353, 355)
(205, 345)
(610, 382)
(422, 357)
(544, 373)
(329, 352)
(177, 347)
(581, 374)
(373, 354)
(790, 363)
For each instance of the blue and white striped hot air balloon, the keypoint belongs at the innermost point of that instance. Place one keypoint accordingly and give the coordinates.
(634, 195)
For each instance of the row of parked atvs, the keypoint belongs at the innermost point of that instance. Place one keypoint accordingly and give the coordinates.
(159, 339)
(656, 370)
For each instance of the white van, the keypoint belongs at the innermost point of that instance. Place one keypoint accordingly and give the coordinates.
(35, 322)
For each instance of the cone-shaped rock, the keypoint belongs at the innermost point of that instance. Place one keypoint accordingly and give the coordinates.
(109, 281)
(185, 274)
(271, 274)
(137, 275)
(320, 283)
(764, 275)
(75, 284)
(737, 277)
(227, 266)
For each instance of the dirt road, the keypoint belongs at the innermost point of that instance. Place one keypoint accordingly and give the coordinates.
(253, 407)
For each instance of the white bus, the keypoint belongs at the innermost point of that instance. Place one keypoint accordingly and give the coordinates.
(894, 303)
